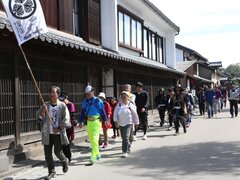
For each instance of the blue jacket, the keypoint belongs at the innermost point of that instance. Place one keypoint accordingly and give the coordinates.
(210, 94)
(92, 107)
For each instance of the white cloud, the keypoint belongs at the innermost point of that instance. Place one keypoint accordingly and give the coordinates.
(210, 27)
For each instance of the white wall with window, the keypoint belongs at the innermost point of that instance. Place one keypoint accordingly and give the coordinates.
(136, 29)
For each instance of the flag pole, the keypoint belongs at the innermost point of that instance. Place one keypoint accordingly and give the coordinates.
(35, 82)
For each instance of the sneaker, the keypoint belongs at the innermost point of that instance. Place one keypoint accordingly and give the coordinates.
(185, 130)
(65, 167)
(51, 176)
(170, 128)
(145, 137)
(105, 145)
(114, 137)
(99, 158)
(135, 138)
(125, 155)
(177, 133)
(92, 161)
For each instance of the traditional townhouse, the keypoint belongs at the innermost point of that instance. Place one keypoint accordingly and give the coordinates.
(106, 43)
(199, 71)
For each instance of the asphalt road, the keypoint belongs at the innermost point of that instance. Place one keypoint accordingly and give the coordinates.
(209, 150)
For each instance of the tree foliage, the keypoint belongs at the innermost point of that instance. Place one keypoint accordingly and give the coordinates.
(234, 70)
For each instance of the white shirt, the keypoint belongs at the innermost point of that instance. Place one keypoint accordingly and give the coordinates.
(233, 95)
(53, 114)
(125, 114)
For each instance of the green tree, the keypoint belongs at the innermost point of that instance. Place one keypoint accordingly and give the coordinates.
(234, 70)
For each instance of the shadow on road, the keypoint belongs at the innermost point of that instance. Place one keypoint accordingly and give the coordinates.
(211, 157)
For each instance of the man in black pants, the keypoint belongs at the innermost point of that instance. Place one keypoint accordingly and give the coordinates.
(160, 104)
(179, 109)
(169, 107)
(142, 102)
(201, 101)
(233, 97)
(54, 117)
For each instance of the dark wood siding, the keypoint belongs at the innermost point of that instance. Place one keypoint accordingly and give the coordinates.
(1, 5)
(94, 24)
(6, 94)
(66, 16)
(50, 10)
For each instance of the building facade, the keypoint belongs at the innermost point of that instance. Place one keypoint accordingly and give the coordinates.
(106, 43)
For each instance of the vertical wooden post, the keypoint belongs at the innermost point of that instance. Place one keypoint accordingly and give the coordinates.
(17, 102)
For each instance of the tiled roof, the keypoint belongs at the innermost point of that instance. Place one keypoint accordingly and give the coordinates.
(183, 66)
(68, 40)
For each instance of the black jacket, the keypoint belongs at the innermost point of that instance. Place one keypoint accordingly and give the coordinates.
(160, 100)
(142, 101)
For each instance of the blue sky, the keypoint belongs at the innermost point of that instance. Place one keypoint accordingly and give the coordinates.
(210, 27)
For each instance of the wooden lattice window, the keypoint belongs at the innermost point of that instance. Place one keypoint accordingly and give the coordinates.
(94, 21)
(87, 20)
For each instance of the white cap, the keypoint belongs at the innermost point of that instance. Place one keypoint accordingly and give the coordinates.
(89, 89)
(102, 94)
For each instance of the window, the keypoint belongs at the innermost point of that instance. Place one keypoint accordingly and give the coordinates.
(145, 43)
(129, 30)
(134, 34)
(121, 27)
(153, 46)
(87, 22)
(139, 35)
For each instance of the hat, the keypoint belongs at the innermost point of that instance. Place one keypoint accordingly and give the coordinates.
(102, 94)
(139, 84)
(161, 90)
(63, 96)
(125, 92)
(89, 89)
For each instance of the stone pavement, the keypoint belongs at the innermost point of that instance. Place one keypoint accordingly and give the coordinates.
(209, 150)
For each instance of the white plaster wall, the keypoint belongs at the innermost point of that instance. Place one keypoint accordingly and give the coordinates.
(170, 50)
(109, 24)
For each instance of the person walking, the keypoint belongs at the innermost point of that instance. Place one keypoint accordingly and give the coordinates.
(190, 104)
(210, 95)
(125, 116)
(91, 114)
(233, 98)
(54, 118)
(70, 131)
(169, 107)
(201, 101)
(142, 102)
(160, 104)
(132, 99)
(179, 110)
(113, 104)
(224, 97)
(217, 99)
(108, 111)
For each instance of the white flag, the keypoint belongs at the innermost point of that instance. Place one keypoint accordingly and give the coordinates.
(26, 18)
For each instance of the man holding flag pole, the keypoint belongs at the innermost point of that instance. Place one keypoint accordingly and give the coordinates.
(27, 20)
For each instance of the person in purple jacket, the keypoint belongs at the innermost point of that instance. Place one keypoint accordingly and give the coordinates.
(218, 98)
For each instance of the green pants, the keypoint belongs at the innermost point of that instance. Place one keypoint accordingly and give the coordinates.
(93, 130)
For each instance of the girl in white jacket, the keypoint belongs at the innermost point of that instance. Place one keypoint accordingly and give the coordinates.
(125, 116)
